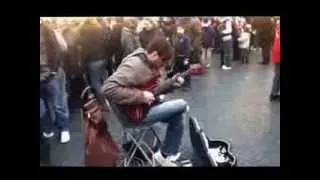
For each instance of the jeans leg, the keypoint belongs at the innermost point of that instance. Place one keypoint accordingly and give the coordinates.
(276, 80)
(59, 102)
(97, 75)
(171, 112)
(42, 108)
(46, 121)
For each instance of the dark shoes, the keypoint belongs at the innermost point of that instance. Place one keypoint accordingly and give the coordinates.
(274, 97)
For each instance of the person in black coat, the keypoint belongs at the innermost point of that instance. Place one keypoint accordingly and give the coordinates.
(265, 33)
(94, 55)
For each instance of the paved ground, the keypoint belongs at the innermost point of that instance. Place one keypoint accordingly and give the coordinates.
(231, 105)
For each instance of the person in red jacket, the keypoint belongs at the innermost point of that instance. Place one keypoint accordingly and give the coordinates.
(275, 92)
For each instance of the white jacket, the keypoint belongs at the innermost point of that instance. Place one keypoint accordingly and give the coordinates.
(244, 40)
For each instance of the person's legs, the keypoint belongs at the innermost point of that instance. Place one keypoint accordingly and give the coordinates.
(227, 48)
(276, 81)
(56, 89)
(221, 57)
(246, 56)
(171, 112)
(266, 50)
(241, 53)
(209, 57)
(96, 76)
(46, 122)
(42, 108)
(236, 51)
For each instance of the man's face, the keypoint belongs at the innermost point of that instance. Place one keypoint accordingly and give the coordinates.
(156, 60)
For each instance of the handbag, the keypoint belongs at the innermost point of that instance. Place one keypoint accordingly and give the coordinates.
(100, 148)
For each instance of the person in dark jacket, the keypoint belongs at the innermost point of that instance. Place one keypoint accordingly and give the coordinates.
(52, 84)
(146, 34)
(265, 33)
(129, 37)
(94, 56)
(235, 35)
(207, 42)
(193, 30)
(123, 40)
(227, 43)
(182, 55)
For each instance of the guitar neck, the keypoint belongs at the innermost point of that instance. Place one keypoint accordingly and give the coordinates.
(157, 91)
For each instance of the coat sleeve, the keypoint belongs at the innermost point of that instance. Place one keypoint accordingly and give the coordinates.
(117, 88)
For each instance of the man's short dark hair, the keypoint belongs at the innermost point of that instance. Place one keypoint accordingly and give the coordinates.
(162, 46)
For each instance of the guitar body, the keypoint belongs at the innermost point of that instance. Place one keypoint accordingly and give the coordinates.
(137, 112)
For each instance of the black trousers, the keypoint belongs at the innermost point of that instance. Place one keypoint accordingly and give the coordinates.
(276, 80)
(266, 51)
(236, 51)
(226, 53)
(244, 55)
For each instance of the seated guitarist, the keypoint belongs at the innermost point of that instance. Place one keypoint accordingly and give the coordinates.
(125, 89)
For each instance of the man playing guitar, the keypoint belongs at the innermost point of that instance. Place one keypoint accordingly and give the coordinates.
(133, 88)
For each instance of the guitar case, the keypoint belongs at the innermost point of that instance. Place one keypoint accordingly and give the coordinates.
(213, 152)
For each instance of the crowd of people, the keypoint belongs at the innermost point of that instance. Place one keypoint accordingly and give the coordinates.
(102, 52)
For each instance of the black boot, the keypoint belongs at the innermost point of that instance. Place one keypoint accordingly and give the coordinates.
(274, 97)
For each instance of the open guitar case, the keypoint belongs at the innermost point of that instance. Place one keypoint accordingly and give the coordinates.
(204, 146)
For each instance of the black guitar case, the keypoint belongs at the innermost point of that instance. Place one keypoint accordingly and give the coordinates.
(213, 152)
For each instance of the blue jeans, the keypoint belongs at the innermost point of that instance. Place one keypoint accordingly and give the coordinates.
(58, 100)
(171, 112)
(42, 108)
(97, 73)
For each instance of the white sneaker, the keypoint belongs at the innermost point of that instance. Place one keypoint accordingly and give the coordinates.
(208, 65)
(228, 68)
(65, 137)
(48, 135)
(166, 162)
(224, 67)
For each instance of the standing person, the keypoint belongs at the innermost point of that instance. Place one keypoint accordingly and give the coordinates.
(124, 39)
(138, 69)
(265, 34)
(244, 45)
(93, 54)
(227, 45)
(207, 42)
(182, 55)
(147, 33)
(275, 92)
(52, 45)
(194, 32)
(236, 28)
(129, 37)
